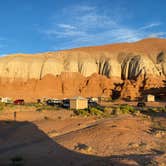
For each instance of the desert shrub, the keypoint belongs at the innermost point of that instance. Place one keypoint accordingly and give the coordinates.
(7, 121)
(46, 118)
(127, 109)
(83, 148)
(153, 110)
(124, 109)
(39, 110)
(157, 125)
(162, 109)
(48, 107)
(1, 108)
(108, 110)
(137, 113)
(2, 105)
(42, 106)
(95, 111)
(17, 161)
(151, 163)
(117, 111)
(45, 107)
(10, 105)
(145, 109)
(31, 104)
(38, 105)
(59, 117)
(84, 112)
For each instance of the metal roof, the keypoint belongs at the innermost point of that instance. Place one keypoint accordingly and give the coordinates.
(78, 98)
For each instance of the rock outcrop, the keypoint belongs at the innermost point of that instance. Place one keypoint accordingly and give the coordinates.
(68, 84)
(71, 72)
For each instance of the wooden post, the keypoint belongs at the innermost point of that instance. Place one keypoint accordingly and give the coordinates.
(15, 114)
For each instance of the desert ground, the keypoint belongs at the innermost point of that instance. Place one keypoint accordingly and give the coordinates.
(59, 137)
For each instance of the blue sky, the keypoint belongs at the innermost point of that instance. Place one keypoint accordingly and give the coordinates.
(31, 26)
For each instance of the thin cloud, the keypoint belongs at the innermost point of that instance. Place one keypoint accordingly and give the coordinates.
(157, 34)
(86, 25)
(79, 9)
(151, 25)
(66, 26)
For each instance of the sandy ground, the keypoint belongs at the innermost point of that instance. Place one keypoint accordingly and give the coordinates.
(59, 138)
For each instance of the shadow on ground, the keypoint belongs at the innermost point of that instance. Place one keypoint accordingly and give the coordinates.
(155, 114)
(26, 141)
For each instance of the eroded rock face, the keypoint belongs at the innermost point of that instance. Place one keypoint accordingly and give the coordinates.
(126, 61)
(161, 60)
(134, 66)
(135, 89)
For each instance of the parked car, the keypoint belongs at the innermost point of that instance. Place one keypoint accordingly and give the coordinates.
(92, 104)
(19, 102)
(53, 102)
(66, 103)
(141, 104)
(95, 105)
(93, 99)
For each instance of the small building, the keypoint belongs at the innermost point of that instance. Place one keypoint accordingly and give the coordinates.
(78, 103)
(6, 100)
(150, 97)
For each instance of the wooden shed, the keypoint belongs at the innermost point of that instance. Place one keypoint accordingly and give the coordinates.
(78, 103)
(150, 97)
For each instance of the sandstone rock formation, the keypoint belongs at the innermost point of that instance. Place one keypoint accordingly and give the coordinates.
(71, 72)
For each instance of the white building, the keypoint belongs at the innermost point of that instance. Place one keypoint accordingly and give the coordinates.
(150, 97)
(78, 103)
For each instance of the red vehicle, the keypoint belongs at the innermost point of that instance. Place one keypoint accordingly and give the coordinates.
(19, 102)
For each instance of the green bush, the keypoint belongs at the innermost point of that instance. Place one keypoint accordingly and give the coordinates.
(162, 109)
(10, 105)
(84, 112)
(48, 107)
(87, 112)
(45, 107)
(108, 110)
(126, 109)
(2, 105)
(117, 111)
(30, 104)
(39, 110)
(95, 111)
(153, 110)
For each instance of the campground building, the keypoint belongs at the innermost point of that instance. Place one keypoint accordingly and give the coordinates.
(78, 103)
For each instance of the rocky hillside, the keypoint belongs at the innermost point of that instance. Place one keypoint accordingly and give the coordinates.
(71, 72)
